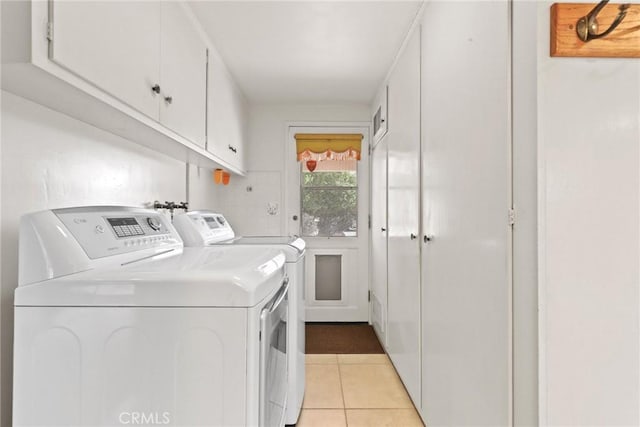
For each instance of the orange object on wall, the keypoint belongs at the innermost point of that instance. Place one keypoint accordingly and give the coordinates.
(217, 176)
(220, 176)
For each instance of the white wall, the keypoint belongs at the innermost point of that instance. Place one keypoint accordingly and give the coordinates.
(50, 160)
(588, 141)
(247, 210)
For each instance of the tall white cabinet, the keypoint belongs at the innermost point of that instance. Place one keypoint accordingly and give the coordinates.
(379, 246)
(448, 326)
(466, 293)
(403, 138)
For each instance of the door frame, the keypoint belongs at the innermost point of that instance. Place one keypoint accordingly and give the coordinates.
(354, 305)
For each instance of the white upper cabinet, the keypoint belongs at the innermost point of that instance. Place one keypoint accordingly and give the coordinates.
(183, 75)
(147, 54)
(226, 117)
(137, 69)
(113, 45)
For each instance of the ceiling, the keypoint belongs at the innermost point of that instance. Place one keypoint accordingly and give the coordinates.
(308, 51)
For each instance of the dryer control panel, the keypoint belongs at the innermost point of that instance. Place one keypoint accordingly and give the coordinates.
(202, 228)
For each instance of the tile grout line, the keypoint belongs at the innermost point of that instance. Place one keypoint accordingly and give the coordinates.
(344, 403)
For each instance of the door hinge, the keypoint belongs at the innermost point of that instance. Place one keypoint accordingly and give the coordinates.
(369, 220)
(512, 216)
(370, 149)
(369, 295)
(50, 31)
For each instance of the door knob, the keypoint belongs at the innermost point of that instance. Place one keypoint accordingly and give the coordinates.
(295, 217)
(383, 229)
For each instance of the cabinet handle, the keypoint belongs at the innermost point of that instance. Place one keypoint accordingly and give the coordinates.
(234, 149)
(383, 229)
(428, 238)
(155, 88)
(413, 236)
(168, 99)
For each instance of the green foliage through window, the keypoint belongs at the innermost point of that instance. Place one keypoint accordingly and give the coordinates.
(329, 203)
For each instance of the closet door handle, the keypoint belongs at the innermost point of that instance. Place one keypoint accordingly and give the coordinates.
(428, 238)
(413, 236)
(155, 88)
(168, 99)
(383, 229)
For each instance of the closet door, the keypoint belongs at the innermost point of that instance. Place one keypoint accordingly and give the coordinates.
(403, 336)
(379, 228)
(466, 197)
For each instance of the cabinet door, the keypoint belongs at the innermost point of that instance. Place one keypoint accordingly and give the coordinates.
(379, 239)
(183, 75)
(113, 45)
(466, 295)
(403, 137)
(226, 116)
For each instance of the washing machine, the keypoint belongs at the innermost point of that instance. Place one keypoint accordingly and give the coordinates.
(116, 323)
(206, 229)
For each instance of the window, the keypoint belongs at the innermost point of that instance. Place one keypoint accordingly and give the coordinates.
(329, 198)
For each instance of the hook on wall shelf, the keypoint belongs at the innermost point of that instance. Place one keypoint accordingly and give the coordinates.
(575, 30)
(587, 26)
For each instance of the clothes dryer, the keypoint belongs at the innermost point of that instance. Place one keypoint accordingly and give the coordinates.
(116, 323)
(206, 229)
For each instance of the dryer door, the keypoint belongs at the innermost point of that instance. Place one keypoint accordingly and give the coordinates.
(273, 358)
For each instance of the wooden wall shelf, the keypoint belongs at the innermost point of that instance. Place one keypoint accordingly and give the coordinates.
(623, 42)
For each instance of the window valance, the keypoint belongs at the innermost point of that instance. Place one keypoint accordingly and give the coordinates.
(323, 146)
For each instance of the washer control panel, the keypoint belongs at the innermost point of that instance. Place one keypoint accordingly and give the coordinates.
(125, 227)
(105, 233)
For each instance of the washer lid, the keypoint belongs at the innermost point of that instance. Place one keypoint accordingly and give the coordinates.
(199, 277)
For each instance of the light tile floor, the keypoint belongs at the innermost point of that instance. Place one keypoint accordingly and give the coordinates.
(355, 390)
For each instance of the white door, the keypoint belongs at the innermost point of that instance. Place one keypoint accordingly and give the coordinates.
(114, 45)
(337, 261)
(183, 75)
(466, 195)
(379, 239)
(403, 333)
